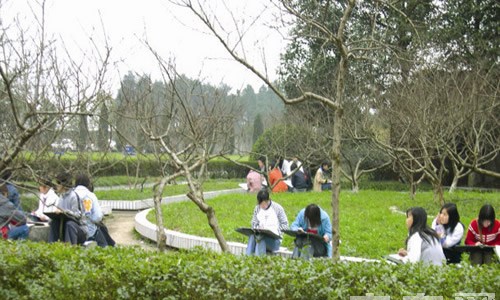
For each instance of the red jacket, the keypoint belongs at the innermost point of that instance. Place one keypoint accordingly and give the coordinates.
(487, 236)
(274, 176)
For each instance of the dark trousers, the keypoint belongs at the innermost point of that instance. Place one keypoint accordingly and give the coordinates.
(452, 256)
(67, 231)
(481, 257)
(105, 234)
(102, 236)
(309, 247)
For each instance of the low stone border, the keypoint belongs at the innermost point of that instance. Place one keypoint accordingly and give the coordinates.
(181, 240)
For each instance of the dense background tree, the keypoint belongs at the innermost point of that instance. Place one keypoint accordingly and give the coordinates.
(104, 136)
(258, 128)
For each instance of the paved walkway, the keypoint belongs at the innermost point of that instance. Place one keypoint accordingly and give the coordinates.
(121, 227)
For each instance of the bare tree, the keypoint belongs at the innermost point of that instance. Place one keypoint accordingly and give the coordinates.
(421, 122)
(43, 87)
(475, 141)
(361, 158)
(440, 120)
(197, 124)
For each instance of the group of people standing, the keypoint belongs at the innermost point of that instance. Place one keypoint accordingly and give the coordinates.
(436, 243)
(299, 178)
(72, 211)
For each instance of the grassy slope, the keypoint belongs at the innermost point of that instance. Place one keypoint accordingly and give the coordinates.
(368, 228)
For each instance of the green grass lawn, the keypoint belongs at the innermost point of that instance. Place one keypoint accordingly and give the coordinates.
(368, 227)
(29, 199)
(170, 190)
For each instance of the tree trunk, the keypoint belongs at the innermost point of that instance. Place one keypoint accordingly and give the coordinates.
(337, 140)
(413, 188)
(454, 184)
(355, 185)
(471, 179)
(161, 238)
(212, 220)
(438, 192)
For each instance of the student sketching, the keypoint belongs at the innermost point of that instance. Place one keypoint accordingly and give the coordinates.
(276, 179)
(13, 193)
(47, 202)
(91, 209)
(485, 230)
(72, 223)
(314, 220)
(254, 181)
(422, 243)
(450, 231)
(266, 215)
(321, 182)
(299, 180)
(12, 220)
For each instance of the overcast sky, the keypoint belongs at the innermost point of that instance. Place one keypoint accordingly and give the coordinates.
(173, 32)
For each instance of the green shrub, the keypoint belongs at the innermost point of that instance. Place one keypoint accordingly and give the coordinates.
(116, 164)
(57, 271)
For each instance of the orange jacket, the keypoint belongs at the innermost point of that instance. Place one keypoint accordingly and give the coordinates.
(274, 176)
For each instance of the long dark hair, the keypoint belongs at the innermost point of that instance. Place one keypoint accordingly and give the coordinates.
(313, 215)
(453, 216)
(487, 212)
(420, 225)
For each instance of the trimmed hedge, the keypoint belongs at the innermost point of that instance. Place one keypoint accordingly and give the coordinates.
(119, 165)
(56, 271)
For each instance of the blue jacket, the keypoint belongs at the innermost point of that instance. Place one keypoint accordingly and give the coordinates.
(90, 209)
(324, 228)
(13, 195)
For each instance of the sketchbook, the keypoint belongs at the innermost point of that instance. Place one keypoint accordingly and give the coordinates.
(394, 258)
(250, 231)
(32, 219)
(296, 233)
(62, 216)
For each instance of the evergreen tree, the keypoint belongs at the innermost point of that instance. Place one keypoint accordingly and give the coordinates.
(258, 128)
(102, 135)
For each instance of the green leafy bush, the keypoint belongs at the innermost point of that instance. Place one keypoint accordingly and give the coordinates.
(57, 271)
(116, 164)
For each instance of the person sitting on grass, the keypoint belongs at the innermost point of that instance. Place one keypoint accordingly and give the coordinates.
(91, 209)
(47, 202)
(321, 181)
(13, 193)
(266, 215)
(450, 231)
(299, 179)
(70, 226)
(254, 181)
(312, 219)
(422, 243)
(276, 179)
(12, 220)
(485, 230)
